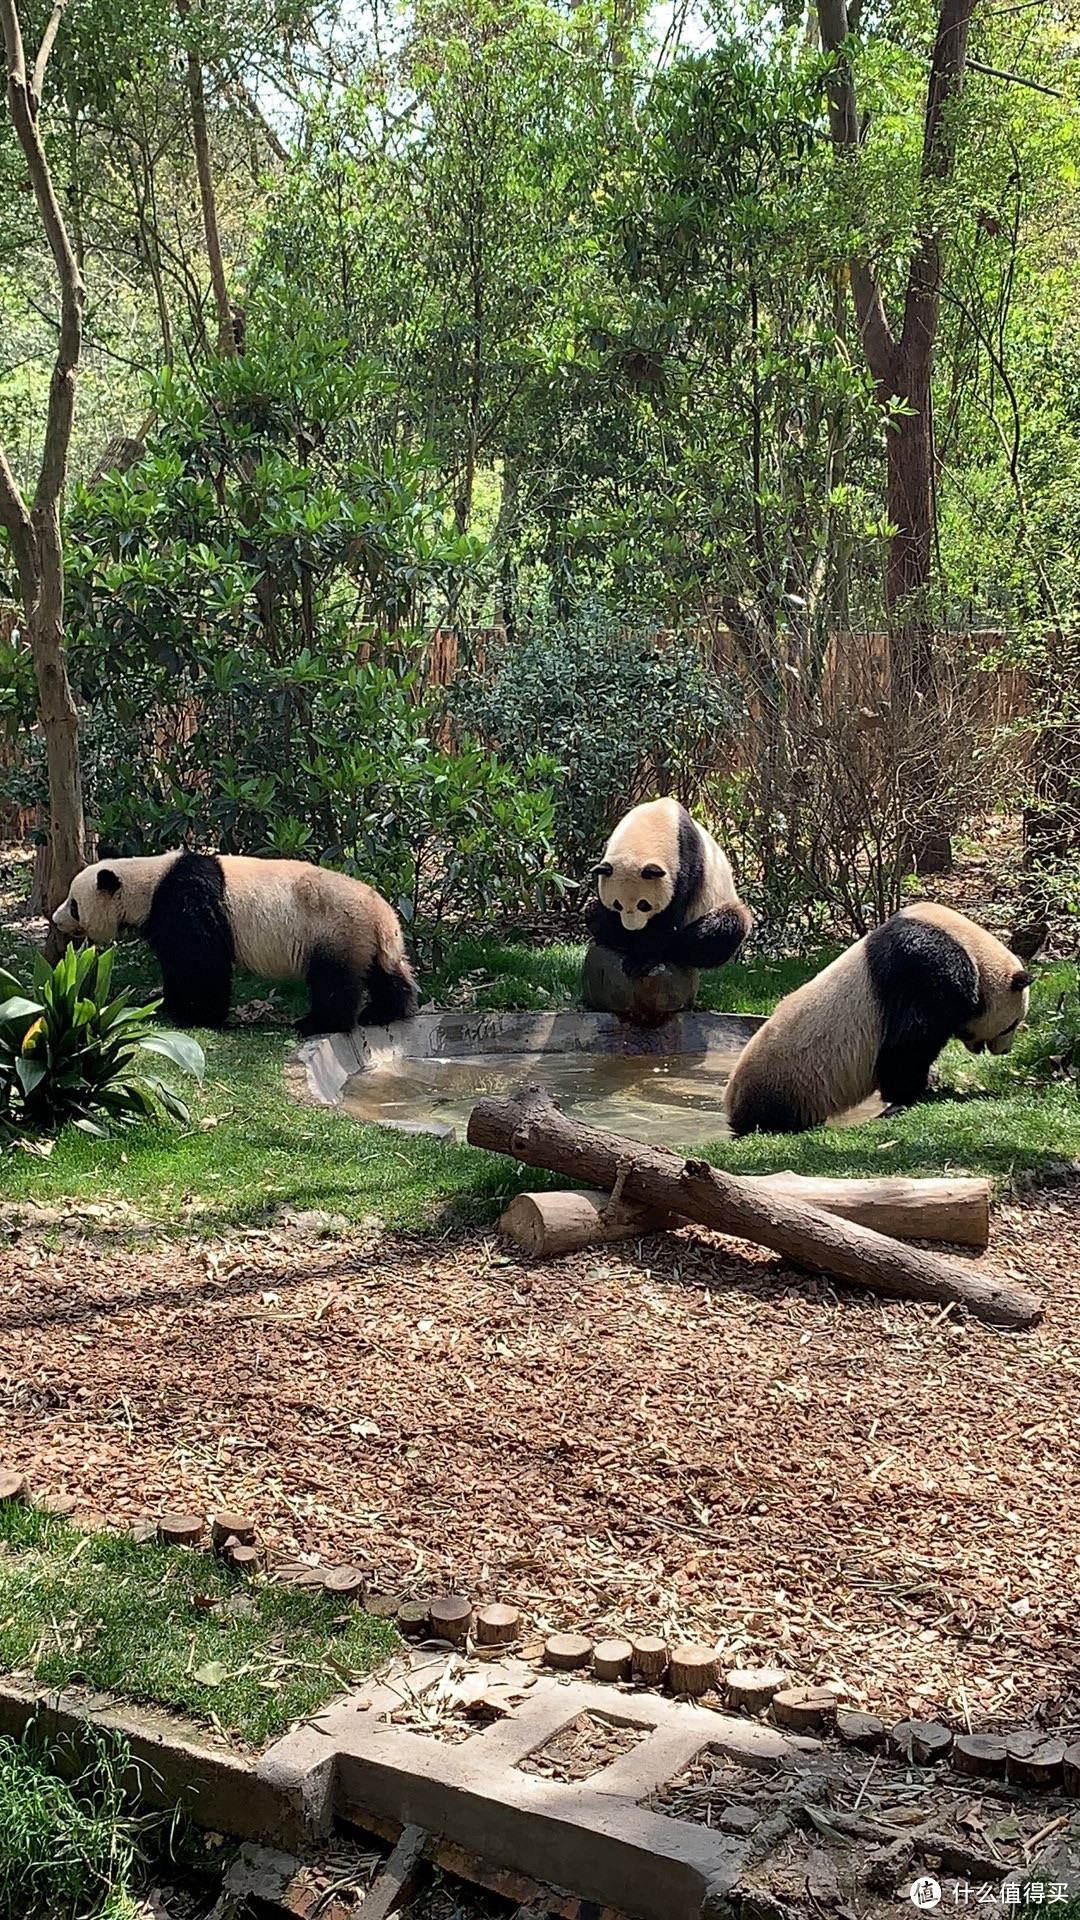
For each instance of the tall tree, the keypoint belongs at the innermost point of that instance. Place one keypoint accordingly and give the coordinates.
(34, 529)
(900, 355)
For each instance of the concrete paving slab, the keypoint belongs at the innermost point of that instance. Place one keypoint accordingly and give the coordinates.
(593, 1838)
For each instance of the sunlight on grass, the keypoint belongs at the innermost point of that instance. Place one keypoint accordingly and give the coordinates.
(172, 1626)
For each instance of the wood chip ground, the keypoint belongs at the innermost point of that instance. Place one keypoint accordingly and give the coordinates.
(677, 1436)
(581, 1748)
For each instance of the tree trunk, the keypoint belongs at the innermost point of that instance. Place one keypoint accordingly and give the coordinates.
(59, 719)
(200, 140)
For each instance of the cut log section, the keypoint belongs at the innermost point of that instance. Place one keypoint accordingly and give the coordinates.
(612, 1659)
(804, 1709)
(412, 1619)
(954, 1212)
(244, 1559)
(181, 1529)
(860, 1729)
(692, 1670)
(567, 1651)
(750, 1689)
(532, 1128)
(451, 1616)
(648, 1658)
(497, 1625)
(345, 1583)
(232, 1526)
(922, 1741)
(1071, 1770)
(1035, 1763)
(981, 1755)
(12, 1488)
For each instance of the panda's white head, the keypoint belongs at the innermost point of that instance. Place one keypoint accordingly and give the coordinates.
(95, 906)
(636, 893)
(1004, 1009)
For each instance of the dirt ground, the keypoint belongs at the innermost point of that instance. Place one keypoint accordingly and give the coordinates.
(680, 1435)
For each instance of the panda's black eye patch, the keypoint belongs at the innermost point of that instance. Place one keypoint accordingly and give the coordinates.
(617, 904)
(644, 906)
(73, 909)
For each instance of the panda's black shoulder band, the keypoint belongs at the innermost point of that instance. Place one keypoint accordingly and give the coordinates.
(189, 930)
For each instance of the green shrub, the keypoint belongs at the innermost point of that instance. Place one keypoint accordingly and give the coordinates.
(73, 1054)
(625, 716)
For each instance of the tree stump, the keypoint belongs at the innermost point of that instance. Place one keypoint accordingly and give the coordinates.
(413, 1619)
(750, 1689)
(981, 1755)
(497, 1625)
(13, 1488)
(565, 1652)
(692, 1669)
(923, 1741)
(648, 1658)
(451, 1616)
(647, 1001)
(1037, 1763)
(804, 1709)
(382, 1606)
(345, 1583)
(244, 1559)
(232, 1526)
(181, 1529)
(860, 1729)
(1070, 1770)
(612, 1660)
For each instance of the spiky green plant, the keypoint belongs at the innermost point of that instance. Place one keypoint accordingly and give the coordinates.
(72, 1054)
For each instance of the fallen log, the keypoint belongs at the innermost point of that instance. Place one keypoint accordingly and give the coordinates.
(954, 1211)
(533, 1129)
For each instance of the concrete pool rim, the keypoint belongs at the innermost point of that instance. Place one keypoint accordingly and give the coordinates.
(319, 1069)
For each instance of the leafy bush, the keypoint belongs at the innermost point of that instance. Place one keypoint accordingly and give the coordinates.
(626, 715)
(73, 1054)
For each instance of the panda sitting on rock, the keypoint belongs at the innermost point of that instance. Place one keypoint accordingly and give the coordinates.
(202, 913)
(666, 894)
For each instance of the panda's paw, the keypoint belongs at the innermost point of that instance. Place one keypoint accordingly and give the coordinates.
(635, 968)
(894, 1110)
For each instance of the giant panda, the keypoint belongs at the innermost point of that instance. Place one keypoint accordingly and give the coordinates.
(877, 1018)
(282, 919)
(666, 893)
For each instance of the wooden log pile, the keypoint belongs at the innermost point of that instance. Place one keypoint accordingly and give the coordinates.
(531, 1128)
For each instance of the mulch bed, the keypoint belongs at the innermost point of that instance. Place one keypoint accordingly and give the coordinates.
(684, 1437)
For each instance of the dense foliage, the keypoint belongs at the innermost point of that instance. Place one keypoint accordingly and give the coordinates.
(542, 322)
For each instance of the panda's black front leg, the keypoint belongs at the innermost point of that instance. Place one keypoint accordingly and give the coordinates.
(199, 993)
(711, 941)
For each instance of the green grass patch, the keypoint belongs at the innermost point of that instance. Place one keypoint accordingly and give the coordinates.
(70, 1847)
(249, 1151)
(173, 1627)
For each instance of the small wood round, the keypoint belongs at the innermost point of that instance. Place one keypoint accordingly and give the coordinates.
(804, 1709)
(1070, 1769)
(346, 1583)
(860, 1729)
(648, 1658)
(245, 1559)
(1039, 1766)
(981, 1755)
(412, 1619)
(144, 1532)
(451, 1617)
(382, 1606)
(612, 1660)
(236, 1526)
(64, 1503)
(12, 1487)
(181, 1529)
(692, 1670)
(498, 1625)
(922, 1741)
(567, 1651)
(750, 1689)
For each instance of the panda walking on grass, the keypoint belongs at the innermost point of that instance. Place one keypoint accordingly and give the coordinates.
(204, 913)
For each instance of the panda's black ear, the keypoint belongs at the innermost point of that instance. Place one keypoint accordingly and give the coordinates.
(604, 871)
(1021, 980)
(652, 871)
(108, 881)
